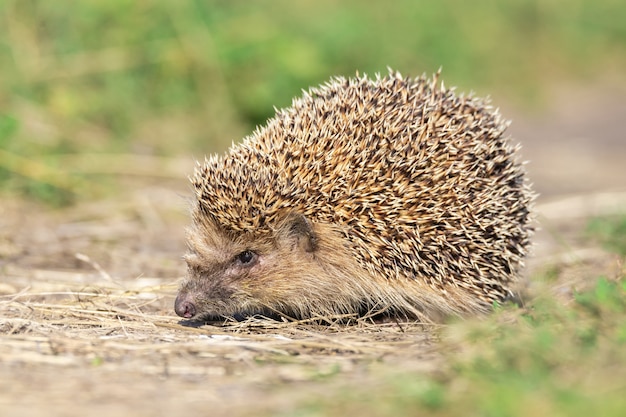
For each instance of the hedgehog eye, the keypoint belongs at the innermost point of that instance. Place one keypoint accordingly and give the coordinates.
(246, 258)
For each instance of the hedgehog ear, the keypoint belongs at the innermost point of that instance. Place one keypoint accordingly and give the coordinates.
(296, 226)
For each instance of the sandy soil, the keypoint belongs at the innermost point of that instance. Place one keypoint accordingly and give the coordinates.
(86, 293)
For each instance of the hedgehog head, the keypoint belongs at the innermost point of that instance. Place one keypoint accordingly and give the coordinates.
(252, 249)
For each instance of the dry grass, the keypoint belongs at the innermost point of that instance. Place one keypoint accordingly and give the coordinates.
(106, 331)
(63, 317)
(59, 315)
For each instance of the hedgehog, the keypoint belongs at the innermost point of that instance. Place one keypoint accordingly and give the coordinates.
(390, 195)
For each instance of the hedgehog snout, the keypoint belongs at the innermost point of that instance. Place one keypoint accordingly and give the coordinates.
(185, 306)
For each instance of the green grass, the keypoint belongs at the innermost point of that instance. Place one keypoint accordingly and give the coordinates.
(167, 78)
(550, 359)
(611, 232)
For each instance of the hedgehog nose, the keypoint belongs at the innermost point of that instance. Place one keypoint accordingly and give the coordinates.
(184, 306)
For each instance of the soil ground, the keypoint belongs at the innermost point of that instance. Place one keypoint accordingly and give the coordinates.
(86, 293)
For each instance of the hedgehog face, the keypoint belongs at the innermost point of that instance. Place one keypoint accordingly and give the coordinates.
(232, 274)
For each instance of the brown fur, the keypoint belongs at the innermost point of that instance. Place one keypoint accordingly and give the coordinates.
(288, 278)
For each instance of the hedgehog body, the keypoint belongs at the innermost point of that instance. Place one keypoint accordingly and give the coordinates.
(389, 195)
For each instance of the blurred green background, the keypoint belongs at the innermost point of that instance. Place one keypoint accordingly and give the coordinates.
(92, 88)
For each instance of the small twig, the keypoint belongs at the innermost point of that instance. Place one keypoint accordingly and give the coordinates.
(95, 265)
